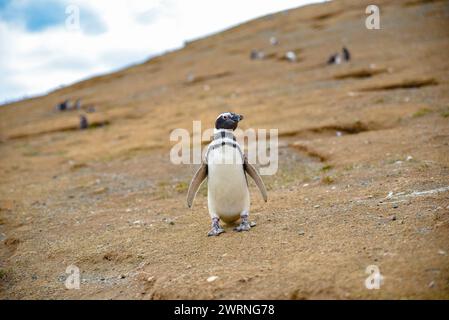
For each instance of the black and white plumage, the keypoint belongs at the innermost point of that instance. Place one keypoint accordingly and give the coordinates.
(225, 167)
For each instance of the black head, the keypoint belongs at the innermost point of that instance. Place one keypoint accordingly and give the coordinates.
(228, 120)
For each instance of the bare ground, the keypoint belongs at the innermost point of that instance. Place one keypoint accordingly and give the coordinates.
(109, 201)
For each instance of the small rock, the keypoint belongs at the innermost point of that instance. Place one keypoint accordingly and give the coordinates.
(393, 218)
(122, 276)
(100, 190)
(442, 252)
(316, 206)
(395, 206)
(431, 284)
(301, 232)
(190, 77)
(409, 158)
(212, 278)
(290, 56)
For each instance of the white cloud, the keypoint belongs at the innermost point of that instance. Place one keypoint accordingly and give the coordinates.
(36, 62)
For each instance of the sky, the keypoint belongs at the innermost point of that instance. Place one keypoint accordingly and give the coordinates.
(45, 44)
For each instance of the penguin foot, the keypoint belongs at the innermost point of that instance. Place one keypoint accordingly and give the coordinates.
(215, 231)
(245, 225)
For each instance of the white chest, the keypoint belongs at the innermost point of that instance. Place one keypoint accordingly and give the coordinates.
(228, 193)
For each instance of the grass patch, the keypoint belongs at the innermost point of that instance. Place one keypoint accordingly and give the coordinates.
(421, 112)
(326, 168)
(31, 153)
(181, 187)
(327, 180)
(4, 273)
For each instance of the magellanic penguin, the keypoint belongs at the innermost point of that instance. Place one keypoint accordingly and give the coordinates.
(225, 167)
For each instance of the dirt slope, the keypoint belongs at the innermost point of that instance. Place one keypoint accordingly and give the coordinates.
(109, 201)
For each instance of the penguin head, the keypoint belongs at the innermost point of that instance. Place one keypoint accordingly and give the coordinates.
(228, 120)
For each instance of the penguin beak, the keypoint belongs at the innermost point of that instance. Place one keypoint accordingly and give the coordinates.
(237, 117)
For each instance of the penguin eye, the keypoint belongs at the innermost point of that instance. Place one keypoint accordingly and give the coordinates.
(225, 117)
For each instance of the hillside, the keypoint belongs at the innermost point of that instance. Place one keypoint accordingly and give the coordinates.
(362, 179)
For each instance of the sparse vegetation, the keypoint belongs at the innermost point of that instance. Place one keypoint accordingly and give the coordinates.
(4, 274)
(181, 187)
(421, 112)
(326, 168)
(327, 180)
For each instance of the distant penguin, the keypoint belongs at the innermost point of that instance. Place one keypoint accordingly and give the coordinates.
(346, 54)
(257, 55)
(90, 109)
(225, 167)
(77, 105)
(84, 124)
(62, 106)
(334, 59)
(274, 41)
(338, 58)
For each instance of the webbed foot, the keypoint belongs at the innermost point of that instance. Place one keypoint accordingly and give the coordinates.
(245, 225)
(216, 229)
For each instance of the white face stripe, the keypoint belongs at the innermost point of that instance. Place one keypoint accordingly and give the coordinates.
(224, 114)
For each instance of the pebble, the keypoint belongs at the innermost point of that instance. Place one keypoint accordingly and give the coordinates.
(431, 284)
(212, 278)
(190, 77)
(301, 232)
(290, 56)
(442, 252)
(409, 158)
(393, 218)
(316, 206)
(395, 206)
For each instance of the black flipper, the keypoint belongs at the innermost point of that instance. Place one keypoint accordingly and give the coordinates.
(196, 182)
(256, 177)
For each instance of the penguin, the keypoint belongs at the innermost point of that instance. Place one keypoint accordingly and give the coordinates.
(225, 166)
(346, 54)
(84, 124)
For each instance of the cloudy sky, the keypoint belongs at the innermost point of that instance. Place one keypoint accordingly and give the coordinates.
(42, 45)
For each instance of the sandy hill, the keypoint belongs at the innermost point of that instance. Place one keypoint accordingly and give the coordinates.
(363, 175)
